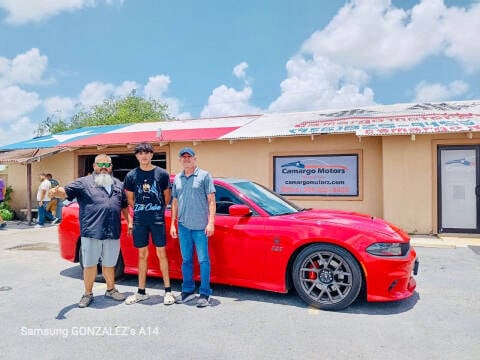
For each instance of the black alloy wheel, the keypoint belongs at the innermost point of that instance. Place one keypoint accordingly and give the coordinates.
(327, 277)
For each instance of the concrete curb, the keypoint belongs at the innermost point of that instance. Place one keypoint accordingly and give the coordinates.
(441, 241)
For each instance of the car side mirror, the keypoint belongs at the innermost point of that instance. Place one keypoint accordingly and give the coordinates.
(239, 210)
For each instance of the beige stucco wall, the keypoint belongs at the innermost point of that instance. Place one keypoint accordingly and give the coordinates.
(61, 166)
(397, 175)
(252, 159)
(407, 182)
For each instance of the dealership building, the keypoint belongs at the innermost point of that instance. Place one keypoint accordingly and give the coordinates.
(415, 165)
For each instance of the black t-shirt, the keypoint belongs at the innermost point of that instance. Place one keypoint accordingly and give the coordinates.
(148, 187)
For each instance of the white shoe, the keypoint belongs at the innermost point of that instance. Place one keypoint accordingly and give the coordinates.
(168, 298)
(39, 226)
(133, 299)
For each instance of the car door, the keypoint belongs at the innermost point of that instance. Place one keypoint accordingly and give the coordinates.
(238, 246)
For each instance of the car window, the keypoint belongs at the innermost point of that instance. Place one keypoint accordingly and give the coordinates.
(224, 198)
(272, 203)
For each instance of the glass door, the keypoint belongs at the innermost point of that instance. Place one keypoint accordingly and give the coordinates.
(458, 189)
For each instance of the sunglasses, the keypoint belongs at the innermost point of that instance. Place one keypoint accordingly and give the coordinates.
(105, 165)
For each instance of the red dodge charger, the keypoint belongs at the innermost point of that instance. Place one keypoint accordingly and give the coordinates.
(266, 242)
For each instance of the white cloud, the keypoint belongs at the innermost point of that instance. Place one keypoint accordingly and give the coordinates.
(373, 34)
(319, 83)
(156, 88)
(14, 102)
(126, 88)
(27, 68)
(239, 70)
(438, 92)
(462, 29)
(95, 93)
(20, 12)
(226, 101)
(62, 106)
(17, 130)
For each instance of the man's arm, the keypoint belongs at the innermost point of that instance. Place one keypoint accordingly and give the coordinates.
(126, 215)
(130, 198)
(174, 211)
(58, 192)
(212, 209)
(167, 195)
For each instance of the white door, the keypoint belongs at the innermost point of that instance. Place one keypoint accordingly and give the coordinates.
(458, 189)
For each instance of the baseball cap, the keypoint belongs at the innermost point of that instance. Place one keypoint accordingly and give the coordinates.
(187, 150)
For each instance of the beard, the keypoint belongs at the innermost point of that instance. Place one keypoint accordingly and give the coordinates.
(103, 179)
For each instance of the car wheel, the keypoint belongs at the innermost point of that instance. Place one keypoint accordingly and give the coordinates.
(119, 267)
(326, 277)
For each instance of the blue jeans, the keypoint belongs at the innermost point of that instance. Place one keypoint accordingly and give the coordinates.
(43, 213)
(188, 239)
(58, 211)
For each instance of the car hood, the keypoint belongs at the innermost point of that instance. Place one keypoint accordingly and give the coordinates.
(351, 220)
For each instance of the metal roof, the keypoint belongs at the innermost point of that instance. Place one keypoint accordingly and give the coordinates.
(381, 120)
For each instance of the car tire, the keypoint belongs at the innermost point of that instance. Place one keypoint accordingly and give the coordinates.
(327, 277)
(119, 266)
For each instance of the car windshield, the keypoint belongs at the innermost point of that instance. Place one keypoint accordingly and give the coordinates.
(271, 202)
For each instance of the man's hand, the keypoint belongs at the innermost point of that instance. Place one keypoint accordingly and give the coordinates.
(173, 231)
(210, 229)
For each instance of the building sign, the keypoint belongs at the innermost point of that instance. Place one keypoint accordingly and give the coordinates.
(391, 125)
(316, 175)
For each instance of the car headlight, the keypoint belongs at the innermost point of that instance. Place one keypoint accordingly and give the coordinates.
(388, 249)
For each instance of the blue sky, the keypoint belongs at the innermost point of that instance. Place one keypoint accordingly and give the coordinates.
(219, 58)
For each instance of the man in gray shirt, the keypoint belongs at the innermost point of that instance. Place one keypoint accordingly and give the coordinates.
(193, 204)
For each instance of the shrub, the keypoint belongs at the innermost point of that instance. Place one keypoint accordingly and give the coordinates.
(6, 214)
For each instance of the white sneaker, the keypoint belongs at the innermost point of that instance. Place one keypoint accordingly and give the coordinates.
(168, 298)
(39, 226)
(133, 299)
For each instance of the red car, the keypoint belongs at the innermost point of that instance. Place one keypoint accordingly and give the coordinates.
(264, 241)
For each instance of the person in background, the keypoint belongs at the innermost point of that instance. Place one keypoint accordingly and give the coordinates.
(55, 205)
(101, 200)
(148, 191)
(193, 204)
(3, 191)
(43, 199)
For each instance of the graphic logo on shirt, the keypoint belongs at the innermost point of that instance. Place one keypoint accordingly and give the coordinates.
(146, 186)
(149, 198)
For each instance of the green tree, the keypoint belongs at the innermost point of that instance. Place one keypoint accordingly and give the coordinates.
(127, 110)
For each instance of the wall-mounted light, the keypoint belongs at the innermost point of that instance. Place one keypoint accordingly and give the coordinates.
(412, 137)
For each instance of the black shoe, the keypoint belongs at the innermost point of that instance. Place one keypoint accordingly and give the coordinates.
(185, 297)
(3, 225)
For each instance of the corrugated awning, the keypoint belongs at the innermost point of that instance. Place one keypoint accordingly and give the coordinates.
(28, 156)
(380, 120)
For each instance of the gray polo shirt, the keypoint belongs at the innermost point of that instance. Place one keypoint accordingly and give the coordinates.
(191, 193)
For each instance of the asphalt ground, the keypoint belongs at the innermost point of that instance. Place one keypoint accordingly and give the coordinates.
(39, 317)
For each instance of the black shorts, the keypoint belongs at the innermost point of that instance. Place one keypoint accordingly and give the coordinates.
(141, 234)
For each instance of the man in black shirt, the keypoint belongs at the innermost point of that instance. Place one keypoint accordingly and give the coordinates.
(148, 192)
(101, 199)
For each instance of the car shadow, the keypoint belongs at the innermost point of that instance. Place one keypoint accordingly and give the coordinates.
(359, 306)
